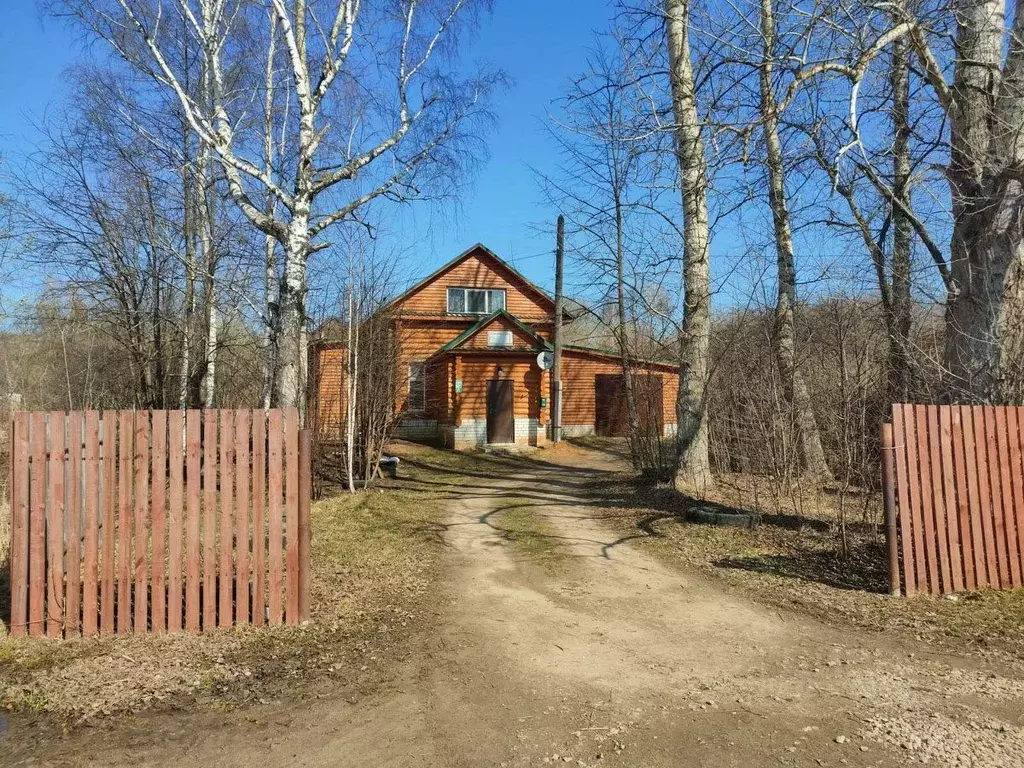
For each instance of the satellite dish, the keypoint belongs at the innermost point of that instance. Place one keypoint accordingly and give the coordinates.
(545, 360)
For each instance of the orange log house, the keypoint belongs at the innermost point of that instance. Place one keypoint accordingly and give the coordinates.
(468, 339)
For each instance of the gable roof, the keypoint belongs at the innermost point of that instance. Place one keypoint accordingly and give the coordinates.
(467, 334)
(482, 249)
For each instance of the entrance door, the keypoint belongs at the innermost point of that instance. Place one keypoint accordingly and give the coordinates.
(501, 424)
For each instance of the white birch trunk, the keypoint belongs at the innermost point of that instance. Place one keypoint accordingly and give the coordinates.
(290, 378)
(899, 321)
(693, 463)
(794, 387)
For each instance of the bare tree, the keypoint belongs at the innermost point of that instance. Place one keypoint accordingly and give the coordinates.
(693, 467)
(985, 104)
(608, 185)
(775, 169)
(353, 135)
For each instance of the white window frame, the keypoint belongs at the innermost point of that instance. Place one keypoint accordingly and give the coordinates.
(420, 383)
(501, 338)
(488, 304)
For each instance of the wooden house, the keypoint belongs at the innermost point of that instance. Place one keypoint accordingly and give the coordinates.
(468, 339)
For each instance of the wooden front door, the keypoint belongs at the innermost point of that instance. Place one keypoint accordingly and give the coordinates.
(501, 423)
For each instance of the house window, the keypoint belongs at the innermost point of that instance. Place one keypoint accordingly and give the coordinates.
(417, 387)
(475, 301)
(499, 338)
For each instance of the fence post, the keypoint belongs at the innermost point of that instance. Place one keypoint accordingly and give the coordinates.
(889, 500)
(305, 531)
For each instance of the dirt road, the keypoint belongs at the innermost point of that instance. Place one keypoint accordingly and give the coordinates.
(612, 658)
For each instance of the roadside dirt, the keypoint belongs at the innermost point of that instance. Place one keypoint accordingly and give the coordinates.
(614, 658)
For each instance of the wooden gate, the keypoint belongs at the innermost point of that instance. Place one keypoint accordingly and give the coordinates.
(953, 477)
(154, 521)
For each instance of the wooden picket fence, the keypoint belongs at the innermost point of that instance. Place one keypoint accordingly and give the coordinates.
(953, 477)
(158, 521)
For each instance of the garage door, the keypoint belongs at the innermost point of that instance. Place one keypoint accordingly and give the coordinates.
(612, 415)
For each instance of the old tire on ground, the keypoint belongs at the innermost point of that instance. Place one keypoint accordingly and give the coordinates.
(720, 517)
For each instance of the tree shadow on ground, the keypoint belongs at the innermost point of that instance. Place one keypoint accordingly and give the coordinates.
(862, 569)
(797, 547)
(812, 543)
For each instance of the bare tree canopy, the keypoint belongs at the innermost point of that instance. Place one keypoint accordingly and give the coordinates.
(363, 100)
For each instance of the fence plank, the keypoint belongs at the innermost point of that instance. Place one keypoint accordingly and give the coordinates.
(1005, 510)
(20, 448)
(73, 524)
(963, 506)
(938, 505)
(55, 528)
(141, 509)
(109, 490)
(1016, 425)
(259, 469)
(210, 481)
(291, 495)
(227, 461)
(305, 530)
(899, 418)
(193, 594)
(242, 517)
(916, 505)
(949, 501)
(125, 449)
(91, 528)
(158, 519)
(175, 508)
(995, 496)
(274, 491)
(37, 528)
(974, 496)
(927, 552)
(982, 500)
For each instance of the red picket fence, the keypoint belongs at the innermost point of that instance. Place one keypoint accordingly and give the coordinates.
(154, 521)
(953, 477)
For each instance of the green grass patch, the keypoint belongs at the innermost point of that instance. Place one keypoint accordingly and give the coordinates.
(530, 536)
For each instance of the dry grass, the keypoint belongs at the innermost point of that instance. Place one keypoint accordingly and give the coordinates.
(796, 562)
(374, 556)
(532, 539)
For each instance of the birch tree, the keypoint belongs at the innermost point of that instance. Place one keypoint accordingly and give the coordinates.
(795, 388)
(375, 109)
(693, 464)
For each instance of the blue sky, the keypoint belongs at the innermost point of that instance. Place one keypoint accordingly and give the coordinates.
(539, 44)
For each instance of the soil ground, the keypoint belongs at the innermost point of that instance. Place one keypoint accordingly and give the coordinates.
(553, 638)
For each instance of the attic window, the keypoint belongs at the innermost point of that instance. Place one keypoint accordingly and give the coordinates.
(475, 301)
(499, 338)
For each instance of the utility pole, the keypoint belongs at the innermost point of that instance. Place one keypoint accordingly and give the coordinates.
(556, 371)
